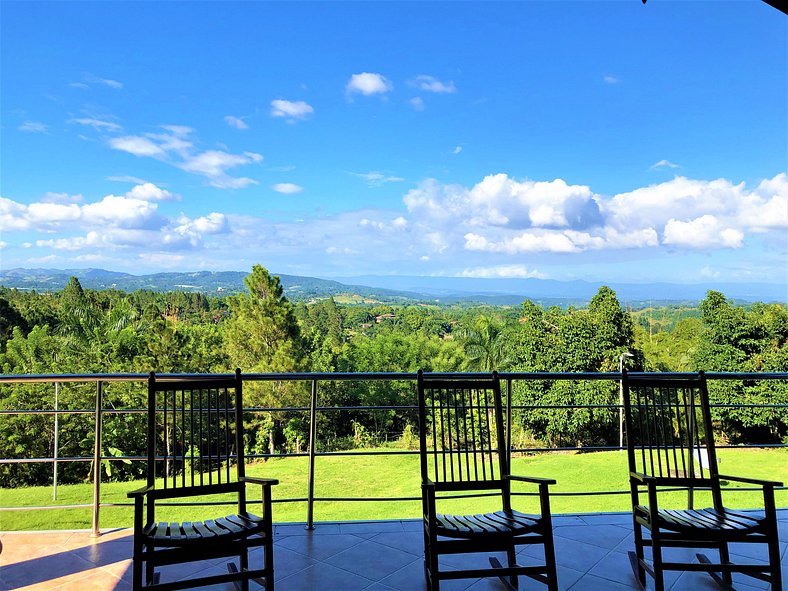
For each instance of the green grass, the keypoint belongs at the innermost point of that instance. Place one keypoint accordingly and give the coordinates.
(395, 476)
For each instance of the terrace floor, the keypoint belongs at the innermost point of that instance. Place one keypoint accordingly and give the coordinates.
(591, 550)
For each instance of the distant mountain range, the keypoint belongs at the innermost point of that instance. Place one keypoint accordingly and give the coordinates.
(396, 289)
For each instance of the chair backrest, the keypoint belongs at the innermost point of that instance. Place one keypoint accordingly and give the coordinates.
(461, 430)
(668, 426)
(195, 430)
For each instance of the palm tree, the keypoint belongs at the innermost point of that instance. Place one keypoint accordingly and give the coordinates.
(485, 344)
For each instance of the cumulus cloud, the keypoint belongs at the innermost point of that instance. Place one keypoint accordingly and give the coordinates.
(368, 84)
(377, 179)
(291, 110)
(61, 198)
(456, 150)
(236, 122)
(499, 200)
(150, 192)
(213, 223)
(287, 188)
(703, 232)
(432, 84)
(33, 127)
(662, 164)
(503, 272)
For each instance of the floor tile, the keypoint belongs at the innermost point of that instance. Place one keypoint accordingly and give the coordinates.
(604, 536)
(323, 576)
(411, 542)
(371, 560)
(372, 527)
(321, 547)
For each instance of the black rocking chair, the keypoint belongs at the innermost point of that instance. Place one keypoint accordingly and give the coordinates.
(463, 450)
(195, 448)
(670, 443)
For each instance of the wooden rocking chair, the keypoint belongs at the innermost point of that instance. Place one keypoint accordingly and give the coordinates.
(463, 450)
(670, 443)
(195, 448)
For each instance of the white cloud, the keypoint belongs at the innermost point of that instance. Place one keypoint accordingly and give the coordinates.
(150, 192)
(122, 212)
(287, 188)
(432, 84)
(97, 124)
(703, 232)
(61, 198)
(377, 179)
(503, 271)
(290, 110)
(213, 223)
(52, 213)
(137, 145)
(456, 150)
(501, 201)
(368, 84)
(127, 179)
(417, 103)
(33, 127)
(525, 242)
(610, 79)
(236, 122)
(3, 245)
(663, 164)
(214, 164)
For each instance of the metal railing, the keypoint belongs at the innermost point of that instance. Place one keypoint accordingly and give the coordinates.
(314, 379)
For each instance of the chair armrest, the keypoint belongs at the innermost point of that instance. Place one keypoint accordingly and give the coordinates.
(531, 479)
(140, 491)
(750, 480)
(261, 481)
(640, 477)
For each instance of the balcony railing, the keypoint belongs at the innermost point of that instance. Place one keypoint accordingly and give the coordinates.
(99, 411)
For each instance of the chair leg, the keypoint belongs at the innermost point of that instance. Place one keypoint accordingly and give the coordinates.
(511, 555)
(136, 571)
(244, 561)
(149, 567)
(549, 556)
(659, 572)
(637, 565)
(725, 558)
(774, 564)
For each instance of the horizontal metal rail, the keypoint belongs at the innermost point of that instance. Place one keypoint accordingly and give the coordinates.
(314, 378)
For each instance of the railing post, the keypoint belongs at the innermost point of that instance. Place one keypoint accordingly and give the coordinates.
(310, 502)
(509, 421)
(97, 463)
(54, 454)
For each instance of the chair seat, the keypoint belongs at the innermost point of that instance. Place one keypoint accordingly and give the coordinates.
(699, 520)
(500, 523)
(228, 528)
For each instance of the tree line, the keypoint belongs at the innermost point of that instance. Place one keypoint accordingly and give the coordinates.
(109, 331)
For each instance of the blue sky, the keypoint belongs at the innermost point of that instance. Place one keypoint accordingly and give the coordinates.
(604, 141)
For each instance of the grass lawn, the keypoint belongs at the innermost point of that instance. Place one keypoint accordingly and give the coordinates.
(395, 476)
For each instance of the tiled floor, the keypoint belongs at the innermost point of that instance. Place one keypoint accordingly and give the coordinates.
(380, 556)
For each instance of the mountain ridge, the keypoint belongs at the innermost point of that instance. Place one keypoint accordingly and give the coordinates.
(392, 288)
